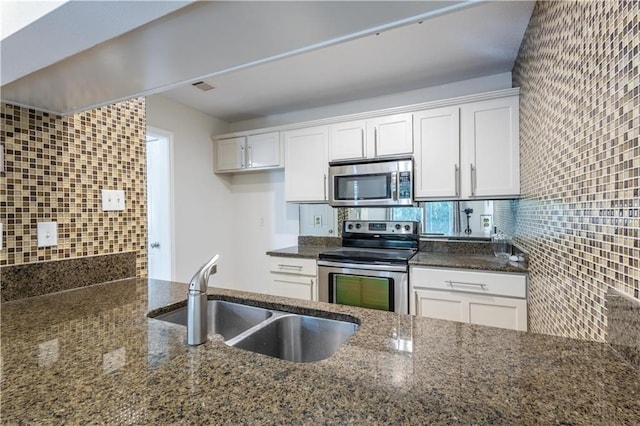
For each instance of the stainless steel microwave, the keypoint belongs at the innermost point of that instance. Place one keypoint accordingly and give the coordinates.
(371, 183)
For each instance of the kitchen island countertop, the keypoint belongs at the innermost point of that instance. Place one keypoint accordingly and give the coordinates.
(92, 355)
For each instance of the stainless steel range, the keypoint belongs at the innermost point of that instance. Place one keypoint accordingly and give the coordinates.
(371, 269)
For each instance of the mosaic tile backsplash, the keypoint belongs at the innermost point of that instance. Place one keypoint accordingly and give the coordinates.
(55, 169)
(579, 216)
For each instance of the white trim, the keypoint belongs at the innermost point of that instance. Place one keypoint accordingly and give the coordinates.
(169, 135)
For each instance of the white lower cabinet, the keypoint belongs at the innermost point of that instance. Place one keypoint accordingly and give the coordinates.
(294, 277)
(484, 298)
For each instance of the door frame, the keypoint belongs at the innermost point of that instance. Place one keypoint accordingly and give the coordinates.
(155, 131)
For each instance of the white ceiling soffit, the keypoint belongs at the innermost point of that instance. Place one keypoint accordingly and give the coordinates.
(472, 42)
(200, 40)
(67, 29)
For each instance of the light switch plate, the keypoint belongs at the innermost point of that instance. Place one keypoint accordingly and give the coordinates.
(113, 199)
(118, 200)
(106, 200)
(47, 234)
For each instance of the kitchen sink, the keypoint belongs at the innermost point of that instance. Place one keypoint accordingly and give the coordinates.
(297, 338)
(225, 318)
(292, 337)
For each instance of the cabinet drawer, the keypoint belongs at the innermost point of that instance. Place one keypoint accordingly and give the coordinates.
(500, 284)
(292, 265)
(297, 287)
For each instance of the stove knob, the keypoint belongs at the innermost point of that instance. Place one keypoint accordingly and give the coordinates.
(358, 226)
(350, 226)
(397, 226)
(407, 228)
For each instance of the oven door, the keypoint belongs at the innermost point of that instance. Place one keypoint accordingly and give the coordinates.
(383, 287)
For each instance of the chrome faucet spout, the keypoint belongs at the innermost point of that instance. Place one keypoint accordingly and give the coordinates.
(197, 304)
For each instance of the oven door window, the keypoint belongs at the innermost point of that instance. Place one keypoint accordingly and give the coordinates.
(363, 187)
(362, 291)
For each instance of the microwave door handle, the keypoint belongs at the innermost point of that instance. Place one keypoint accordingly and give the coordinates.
(394, 185)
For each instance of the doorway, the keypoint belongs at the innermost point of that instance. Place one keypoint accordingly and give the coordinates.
(159, 204)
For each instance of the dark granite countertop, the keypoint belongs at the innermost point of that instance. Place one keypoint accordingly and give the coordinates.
(303, 251)
(92, 356)
(479, 261)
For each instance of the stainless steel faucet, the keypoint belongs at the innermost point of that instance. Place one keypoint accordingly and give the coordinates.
(197, 304)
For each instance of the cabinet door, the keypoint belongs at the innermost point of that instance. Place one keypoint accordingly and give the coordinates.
(230, 154)
(391, 135)
(347, 140)
(437, 153)
(491, 311)
(305, 173)
(444, 305)
(491, 147)
(497, 312)
(298, 287)
(263, 150)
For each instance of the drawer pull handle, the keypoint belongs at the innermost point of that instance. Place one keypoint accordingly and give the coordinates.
(281, 266)
(452, 283)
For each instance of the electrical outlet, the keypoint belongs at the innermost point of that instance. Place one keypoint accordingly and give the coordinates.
(317, 220)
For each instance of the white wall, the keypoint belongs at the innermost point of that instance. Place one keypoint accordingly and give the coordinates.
(262, 222)
(427, 94)
(203, 203)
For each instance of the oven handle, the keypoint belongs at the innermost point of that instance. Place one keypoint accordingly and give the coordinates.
(368, 266)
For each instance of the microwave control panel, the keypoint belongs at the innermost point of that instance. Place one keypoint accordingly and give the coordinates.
(404, 185)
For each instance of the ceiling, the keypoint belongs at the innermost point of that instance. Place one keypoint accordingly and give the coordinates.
(263, 58)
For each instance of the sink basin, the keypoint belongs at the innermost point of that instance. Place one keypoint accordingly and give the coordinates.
(297, 338)
(292, 337)
(225, 318)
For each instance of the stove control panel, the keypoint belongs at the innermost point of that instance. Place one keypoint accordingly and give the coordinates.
(380, 227)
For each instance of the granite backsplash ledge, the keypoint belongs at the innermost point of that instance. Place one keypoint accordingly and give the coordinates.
(308, 240)
(623, 325)
(36, 279)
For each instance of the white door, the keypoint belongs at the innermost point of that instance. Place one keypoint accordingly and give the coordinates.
(159, 204)
(263, 150)
(437, 153)
(346, 140)
(305, 173)
(490, 140)
(230, 154)
(391, 135)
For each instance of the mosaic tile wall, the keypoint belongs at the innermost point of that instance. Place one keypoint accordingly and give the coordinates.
(55, 168)
(579, 217)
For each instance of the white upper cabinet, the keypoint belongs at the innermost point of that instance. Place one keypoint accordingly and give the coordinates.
(437, 153)
(264, 150)
(347, 140)
(390, 135)
(490, 143)
(247, 153)
(229, 154)
(376, 137)
(465, 148)
(306, 157)
(471, 151)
